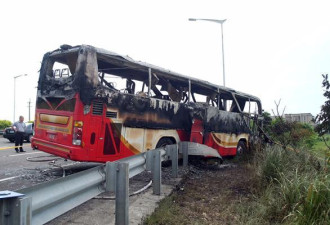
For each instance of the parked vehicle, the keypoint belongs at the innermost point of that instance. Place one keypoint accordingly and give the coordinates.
(9, 133)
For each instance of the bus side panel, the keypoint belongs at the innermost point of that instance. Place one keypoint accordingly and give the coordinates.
(134, 140)
(226, 144)
(152, 136)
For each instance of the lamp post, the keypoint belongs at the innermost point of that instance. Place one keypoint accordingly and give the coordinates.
(223, 54)
(15, 93)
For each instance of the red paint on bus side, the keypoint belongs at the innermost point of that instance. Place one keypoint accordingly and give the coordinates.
(223, 151)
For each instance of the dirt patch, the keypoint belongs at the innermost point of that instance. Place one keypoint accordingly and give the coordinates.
(208, 195)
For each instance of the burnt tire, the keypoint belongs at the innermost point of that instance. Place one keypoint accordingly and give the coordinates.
(162, 143)
(241, 148)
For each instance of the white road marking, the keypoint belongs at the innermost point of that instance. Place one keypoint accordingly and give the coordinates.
(9, 178)
(20, 154)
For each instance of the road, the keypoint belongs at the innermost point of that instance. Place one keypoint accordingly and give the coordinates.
(16, 172)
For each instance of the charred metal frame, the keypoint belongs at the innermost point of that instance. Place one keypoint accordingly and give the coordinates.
(154, 112)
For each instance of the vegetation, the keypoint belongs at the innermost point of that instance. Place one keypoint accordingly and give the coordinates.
(281, 187)
(295, 188)
(292, 134)
(4, 124)
(267, 121)
(323, 118)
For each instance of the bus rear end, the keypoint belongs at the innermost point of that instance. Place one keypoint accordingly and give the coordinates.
(59, 128)
(67, 76)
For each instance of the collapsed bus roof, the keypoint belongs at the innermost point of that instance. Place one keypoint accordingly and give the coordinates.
(127, 62)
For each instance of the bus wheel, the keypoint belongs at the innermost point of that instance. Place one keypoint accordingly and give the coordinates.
(162, 143)
(241, 148)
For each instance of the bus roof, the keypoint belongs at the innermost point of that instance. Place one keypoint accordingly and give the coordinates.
(128, 62)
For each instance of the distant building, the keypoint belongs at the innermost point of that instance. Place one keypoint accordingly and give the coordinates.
(300, 117)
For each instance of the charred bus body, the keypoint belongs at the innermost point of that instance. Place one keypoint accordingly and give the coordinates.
(82, 113)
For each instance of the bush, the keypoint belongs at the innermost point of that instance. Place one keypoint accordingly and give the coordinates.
(293, 134)
(4, 124)
(296, 189)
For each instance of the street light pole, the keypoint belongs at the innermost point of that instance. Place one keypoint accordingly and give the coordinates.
(223, 54)
(15, 93)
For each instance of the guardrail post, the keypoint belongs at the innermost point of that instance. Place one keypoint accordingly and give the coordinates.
(149, 160)
(172, 151)
(175, 161)
(184, 148)
(157, 172)
(110, 176)
(14, 209)
(122, 195)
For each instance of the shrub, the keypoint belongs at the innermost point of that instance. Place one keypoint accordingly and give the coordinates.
(5, 123)
(293, 134)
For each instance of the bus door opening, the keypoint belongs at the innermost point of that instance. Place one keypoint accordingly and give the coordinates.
(197, 131)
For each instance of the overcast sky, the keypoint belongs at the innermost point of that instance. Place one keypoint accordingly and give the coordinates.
(273, 49)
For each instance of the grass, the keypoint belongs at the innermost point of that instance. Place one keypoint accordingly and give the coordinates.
(320, 149)
(275, 186)
(296, 188)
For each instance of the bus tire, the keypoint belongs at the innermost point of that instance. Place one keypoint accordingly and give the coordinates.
(241, 148)
(162, 143)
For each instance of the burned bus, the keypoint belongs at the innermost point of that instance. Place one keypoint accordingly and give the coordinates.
(96, 105)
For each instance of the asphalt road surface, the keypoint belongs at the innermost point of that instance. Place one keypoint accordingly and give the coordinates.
(22, 170)
(25, 169)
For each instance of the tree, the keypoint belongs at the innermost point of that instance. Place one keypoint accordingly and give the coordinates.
(4, 124)
(323, 118)
(267, 121)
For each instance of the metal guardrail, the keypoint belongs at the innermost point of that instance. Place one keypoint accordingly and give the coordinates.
(41, 203)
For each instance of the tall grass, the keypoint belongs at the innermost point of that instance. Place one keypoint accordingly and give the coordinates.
(295, 187)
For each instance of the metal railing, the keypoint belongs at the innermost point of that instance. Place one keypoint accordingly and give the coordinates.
(41, 203)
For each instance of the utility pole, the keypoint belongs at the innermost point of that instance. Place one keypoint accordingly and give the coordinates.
(29, 106)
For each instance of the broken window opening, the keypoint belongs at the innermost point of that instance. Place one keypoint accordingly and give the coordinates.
(60, 70)
(61, 66)
(251, 107)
